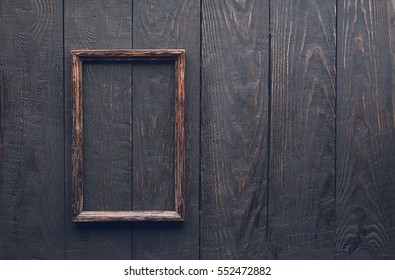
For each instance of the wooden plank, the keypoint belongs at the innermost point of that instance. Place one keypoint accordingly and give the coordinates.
(365, 131)
(235, 49)
(107, 145)
(302, 155)
(160, 24)
(107, 104)
(31, 130)
(153, 136)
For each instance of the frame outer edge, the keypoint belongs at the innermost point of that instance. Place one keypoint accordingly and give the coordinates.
(77, 136)
(180, 137)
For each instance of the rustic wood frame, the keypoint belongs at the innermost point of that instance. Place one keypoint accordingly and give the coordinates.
(78, 56)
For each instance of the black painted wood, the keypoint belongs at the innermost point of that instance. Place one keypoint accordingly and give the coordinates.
(101, 24)
(235, 59)
(165, 24)
(286, 167)
(302, 145)
(365, 131)
(107, 145)
(31, 130)
(153, 136)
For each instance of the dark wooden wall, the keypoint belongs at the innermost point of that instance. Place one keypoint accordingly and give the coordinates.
(290, 129)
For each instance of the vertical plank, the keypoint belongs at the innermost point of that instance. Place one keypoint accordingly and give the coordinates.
(102, 24)
(302, 156)
(31, 130)
(107, 113)
(365, 131)
(165, 24)
(154, 139)
(235, 49)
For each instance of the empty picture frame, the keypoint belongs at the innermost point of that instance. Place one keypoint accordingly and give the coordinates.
(78, 57)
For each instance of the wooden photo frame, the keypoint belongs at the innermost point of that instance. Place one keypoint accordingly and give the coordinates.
(78, 56)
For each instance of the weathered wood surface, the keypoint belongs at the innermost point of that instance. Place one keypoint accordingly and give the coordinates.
(235, 59)
(286, 167)
(179, 137)
(77, 169)
(153, 136)
(129, 216)
(165, 24)
(31, 130)
(102, 24)
(365, 131)
(107, 146)
(302, 141)
(131, 54)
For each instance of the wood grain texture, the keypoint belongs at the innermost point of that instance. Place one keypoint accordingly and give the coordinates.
(107, 136)
(302, 146)
(102, 24)
(31, 130)
(153, 136)
(165, 24)
(365, 131)
(130, 55)
(287, 168)
(235, 49)
(77, 169)
(179, 135)
(129, 216)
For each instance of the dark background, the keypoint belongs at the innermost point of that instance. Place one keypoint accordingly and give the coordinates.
(290, 129)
